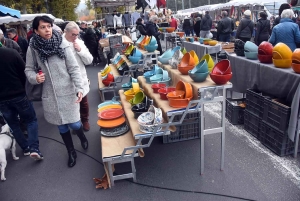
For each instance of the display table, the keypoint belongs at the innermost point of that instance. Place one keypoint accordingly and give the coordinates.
(278, 82)
(201, 49)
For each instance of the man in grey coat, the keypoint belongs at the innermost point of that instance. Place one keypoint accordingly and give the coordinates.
(10, 43)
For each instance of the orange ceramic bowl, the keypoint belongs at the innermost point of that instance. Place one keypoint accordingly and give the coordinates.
(296, 61)
(170, 29)
(179, 103)
(195, 57)
(220, 79)
(164, 91)
(156, 87)
(187, 87)
(184, 70)
(187, 60)
(296, 67)
(178, 94)
(181, 34)
(296, 54)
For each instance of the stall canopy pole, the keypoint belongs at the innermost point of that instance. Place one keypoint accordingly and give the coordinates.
(182, 4)
(190, 3)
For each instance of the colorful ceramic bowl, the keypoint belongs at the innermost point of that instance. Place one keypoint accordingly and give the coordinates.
(265, 58)
(187, 87)
(220, 79)
(266, 48)
(282, 63)
(283, 50)
(146, 118)
(213, 42)
(251, 55)
(164, 91)
(209, 60)
(181, 34)
(198, 77)
(177, 94)
(250, 47)
(222, 67)
(151, 48)
(156, 87)
(195, 57)
(202, 67)
(138, 97)
(296, 67)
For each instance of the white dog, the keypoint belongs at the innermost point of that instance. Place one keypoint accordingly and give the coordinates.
(7, 141)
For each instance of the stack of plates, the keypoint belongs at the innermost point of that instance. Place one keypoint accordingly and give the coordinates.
(111, 119)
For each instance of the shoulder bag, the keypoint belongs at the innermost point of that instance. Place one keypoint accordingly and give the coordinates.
(34, 92)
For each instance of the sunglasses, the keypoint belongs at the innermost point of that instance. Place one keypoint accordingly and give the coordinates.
(74, 35)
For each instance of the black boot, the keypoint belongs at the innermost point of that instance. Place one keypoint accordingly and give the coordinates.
(83, 140)
(67, 138)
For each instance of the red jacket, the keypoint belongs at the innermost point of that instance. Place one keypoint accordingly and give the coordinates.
(173, 23)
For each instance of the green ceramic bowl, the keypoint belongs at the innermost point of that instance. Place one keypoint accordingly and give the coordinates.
(138, 98)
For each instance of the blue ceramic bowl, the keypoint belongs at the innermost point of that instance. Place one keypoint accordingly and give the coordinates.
(201, 40)
(167, 82)
(151, 48)
(202, 67)
(198, 77)
(140, 39)
(164, 60)
(191, 40)
(134, 60)
(251, 55)
(153, 41)
(167, 54)
(137, 53)
(250, 47)
(175, 49)
(157, 77)
(116, 60)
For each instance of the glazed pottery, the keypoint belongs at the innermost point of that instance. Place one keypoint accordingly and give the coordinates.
(202, 67)
(276, 55)
(177, 94)
(140, 40)
(183, 50)
(158, 119)
(111, 114)
(166, 82)
(296, 54)
(156, 87)
(105, 71)
(296, 61)
(109, 79)
(195, 57)
(184, 70)
(153, 41)
(157, 77)
(222, 67)
(170, 29)
(296, 67)
(282, 63)
(179, 103)
(213, 42)
(250, 47)
(201, 40)
(167, 54)
(146, 118)
(251, 55)
(164, 91)
(109, 107)
(109, 102)
(266, 48)
(187, 60)
(265, 58)
(114, 132)
(181, 34)
(220, 79)
(175, 49)
(187, 87)
(134, 60)
(209, 60)
(198, 77)
(111, 123)
(151, 48)
(138, 97)
(283, 50)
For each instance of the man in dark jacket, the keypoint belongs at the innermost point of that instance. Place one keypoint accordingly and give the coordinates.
(14, 102)
(225, 27)
(22, 42)
(90, 41)
(263, 28)
(205, 26)
(152, 30)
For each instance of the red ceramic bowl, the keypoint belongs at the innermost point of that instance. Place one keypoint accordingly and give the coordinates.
(220, 79)
(107, 81)
(266, 47)
(265, 58)
(156, 87)
(262, 52)
(222, 67)
(296, 61)
(185, 70)
(164, 91)
(296, 67)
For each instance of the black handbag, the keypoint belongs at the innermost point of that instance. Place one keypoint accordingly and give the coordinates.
(34, 92)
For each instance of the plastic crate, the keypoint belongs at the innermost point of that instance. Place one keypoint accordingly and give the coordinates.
(276, 141)
(252, 124)
(255, 102)
(277, 114)
(234, 113)
(188, 130)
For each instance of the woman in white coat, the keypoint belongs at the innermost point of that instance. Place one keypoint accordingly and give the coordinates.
(83, 57)
(61, 79)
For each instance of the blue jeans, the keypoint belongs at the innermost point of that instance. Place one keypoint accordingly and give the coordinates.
(21, 106)
(65, 127)
(224, 37)
(187, 32)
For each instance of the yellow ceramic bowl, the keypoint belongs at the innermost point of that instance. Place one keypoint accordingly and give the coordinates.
(213, 42)
(105, 71)
(135, 87)
(209, 60)
(113, 106)
(283, 50)
(276, 55)
(129, 50)
(194, 55)
(282, 63)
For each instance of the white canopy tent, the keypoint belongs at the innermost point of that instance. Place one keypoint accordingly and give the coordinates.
(25, 19)
(236, 3)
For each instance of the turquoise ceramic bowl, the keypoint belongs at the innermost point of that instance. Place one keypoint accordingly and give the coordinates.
(134, 60)
(198, 77)
(157, 77)
(250, 47)
(201, 40)
(140, 39)
(151, 48)
(137, 53)
(191, 40)
(153, 41)
(110, 102)
(202, 67)
(164, 60)
(167, 54)
(251, 55)
(167, 82)
(175, 49)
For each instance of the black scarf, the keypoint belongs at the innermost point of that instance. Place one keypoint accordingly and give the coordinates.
(47, 48)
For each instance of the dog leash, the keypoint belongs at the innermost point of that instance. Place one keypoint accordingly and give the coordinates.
(12, 138)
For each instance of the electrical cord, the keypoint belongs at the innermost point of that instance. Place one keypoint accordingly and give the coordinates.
(157, 187)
